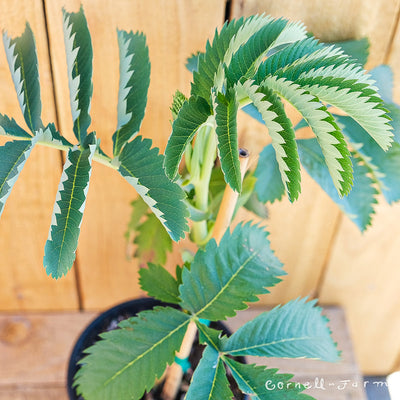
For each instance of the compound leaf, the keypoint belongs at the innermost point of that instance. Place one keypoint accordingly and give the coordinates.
(295, 330)
(235, 272)
(78, 48)
(8, 127)
(138, 353)
(134, 80)
(68, 211)
(23, 63)
(142, 167)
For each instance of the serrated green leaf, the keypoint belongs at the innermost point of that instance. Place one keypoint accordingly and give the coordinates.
(134, 80)
(358, 204)
(331, 140)
(13, 156)
(384, 167)
(159, 283)
(235, 272)
(281, 131)
(142, 167)
(269, 185)
(265, 383)
(23, 63)
(228, 148)
(153, 241)
(294, 330)
(177, 102)
(78, 48)
(137, 353)
(60, 249)
(50, 135)
(8, 127)
(209, 381)
(139, 209)
(193, 113)
(210, 336)
(192, 62)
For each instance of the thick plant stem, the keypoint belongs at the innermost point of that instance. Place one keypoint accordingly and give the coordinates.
(225, 213)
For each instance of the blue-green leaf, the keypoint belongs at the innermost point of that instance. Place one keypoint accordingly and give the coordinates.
(235, 272)
(228, 148)
(269, 185)
(295, 330)
(209, 381)
(78, 48)
(8, 127)
(68, 211)
(262, 383)
(134, 80)
(23, 63)
(13, 156)
(142, 167)
(358, 204)
(137, 353)
(192, 115)
(357, 49)
(383, 166)
(159, 283)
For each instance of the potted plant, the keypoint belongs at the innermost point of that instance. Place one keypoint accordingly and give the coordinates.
(251, 64)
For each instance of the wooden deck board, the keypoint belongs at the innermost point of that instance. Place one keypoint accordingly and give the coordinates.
(34, 351)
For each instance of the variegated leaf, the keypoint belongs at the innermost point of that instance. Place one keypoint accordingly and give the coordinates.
(8, 127)
(330, 138)
(13, 156)
(142, 167)
(23, 63)
(78, 48)
(282, 134)
(68, 211)
(134, 82)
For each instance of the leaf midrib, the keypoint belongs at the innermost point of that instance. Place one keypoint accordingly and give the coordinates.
(128, 365)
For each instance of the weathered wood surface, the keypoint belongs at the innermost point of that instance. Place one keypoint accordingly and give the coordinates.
(35, 350)
(26, 218)
(174, 32)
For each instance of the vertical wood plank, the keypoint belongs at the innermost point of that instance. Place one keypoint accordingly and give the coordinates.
(26, 219)
(174, 30)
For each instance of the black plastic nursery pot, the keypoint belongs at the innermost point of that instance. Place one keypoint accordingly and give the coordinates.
(109, 320)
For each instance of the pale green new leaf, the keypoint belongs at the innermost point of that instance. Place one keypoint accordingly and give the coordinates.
(281, 131)
(152, 240)
(193, 113)
(330, 138)
(263, 383)
(23, 63)
(13, 156)
(295, 330)
(8, 127)
(228, 148)
(209, 381)
(159, 283)
(127, 361)
(134, 80)
(60, 249)
(235, 272)
(78, 48)
(142, 167)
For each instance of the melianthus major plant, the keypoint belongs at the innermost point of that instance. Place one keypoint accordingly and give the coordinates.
(252, 63)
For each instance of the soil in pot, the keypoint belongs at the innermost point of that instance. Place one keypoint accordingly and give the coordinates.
(110, 319)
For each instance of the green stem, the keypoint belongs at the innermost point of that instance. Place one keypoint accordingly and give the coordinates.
(200, 229)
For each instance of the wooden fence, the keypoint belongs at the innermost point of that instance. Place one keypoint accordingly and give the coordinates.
(323, 251)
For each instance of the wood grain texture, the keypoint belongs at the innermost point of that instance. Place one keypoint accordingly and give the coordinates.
(35, 348)
(174, 31)
(363, 275)
(26, 219)
(33, 393)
